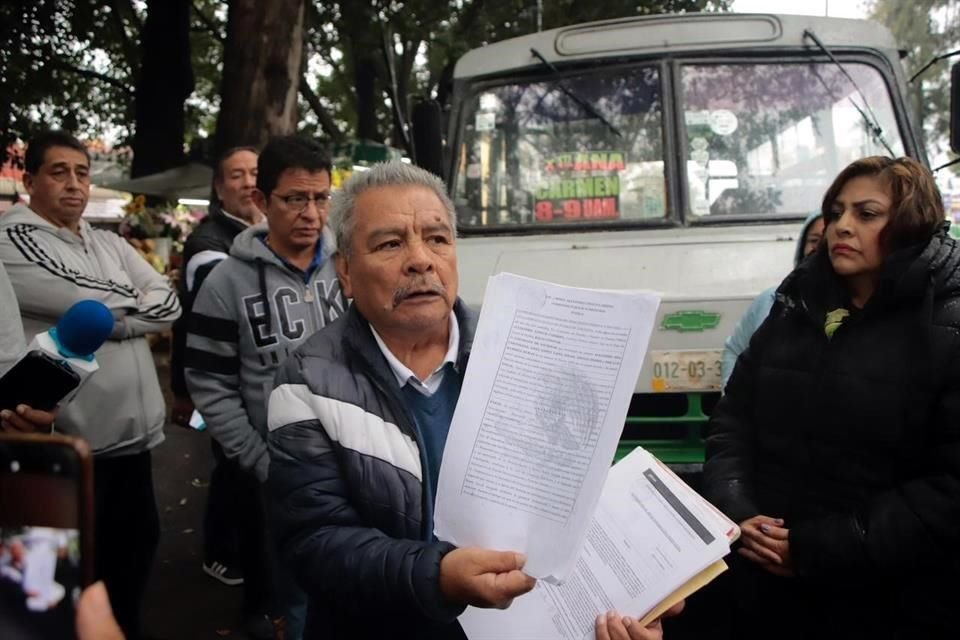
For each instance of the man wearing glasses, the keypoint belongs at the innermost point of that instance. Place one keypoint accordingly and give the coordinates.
(278, 286)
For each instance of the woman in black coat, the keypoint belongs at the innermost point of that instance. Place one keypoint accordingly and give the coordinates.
(837, 444)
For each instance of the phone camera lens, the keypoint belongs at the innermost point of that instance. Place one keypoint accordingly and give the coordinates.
(14, 466)
(56, 467)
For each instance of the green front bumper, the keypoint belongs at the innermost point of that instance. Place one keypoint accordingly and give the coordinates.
(684, 449)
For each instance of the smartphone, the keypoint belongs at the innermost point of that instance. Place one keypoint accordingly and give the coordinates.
(38, 380)
(46, 533)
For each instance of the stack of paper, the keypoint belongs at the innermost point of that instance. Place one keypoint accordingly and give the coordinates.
(651, 543)
(542, 407)
(541, 410)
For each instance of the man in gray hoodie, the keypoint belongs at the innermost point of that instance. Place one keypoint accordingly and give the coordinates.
(278, 287)
(12, 347)
(54, 258)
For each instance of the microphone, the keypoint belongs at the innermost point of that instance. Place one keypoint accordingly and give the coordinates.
(82, 329)
(58, 361)
(77, 335)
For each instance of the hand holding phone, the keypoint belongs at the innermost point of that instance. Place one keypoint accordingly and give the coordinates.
(46, 520)
(37, 380)
(95, 619)
(26, 420)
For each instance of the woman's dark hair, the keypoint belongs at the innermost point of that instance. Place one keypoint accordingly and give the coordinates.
(916, 210)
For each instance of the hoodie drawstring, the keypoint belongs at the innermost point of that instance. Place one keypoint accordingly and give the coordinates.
(262, 277)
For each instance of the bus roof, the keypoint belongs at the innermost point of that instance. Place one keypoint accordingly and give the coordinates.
(674, 33)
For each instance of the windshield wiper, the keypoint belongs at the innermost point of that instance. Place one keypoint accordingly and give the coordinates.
(935, 60)
(873, 124)
(586, 106)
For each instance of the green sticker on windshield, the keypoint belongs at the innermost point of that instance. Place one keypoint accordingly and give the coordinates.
(580, 187)
(690, 321)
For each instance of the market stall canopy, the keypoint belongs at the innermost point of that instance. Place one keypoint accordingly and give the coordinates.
(189, 181)
(105, 205)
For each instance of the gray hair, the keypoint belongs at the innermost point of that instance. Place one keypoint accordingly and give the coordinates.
(343, 204)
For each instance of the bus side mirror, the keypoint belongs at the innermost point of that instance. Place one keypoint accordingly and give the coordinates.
(427, 122)
(955, 107)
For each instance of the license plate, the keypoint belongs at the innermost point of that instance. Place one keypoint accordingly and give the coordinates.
(686, 370)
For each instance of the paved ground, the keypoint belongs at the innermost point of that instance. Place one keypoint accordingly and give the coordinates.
(182, 602)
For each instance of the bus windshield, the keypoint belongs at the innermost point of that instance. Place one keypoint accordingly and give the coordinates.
(768, 139)
(756, 140)
(531, 155)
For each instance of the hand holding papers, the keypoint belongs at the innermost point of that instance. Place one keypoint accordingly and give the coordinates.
(542, 407)
(483, 578)
(651, 543)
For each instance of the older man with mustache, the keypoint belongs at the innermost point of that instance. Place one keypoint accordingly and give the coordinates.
(358, 419)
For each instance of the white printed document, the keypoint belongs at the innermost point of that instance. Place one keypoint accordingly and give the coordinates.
(543, 403)
(652, 541)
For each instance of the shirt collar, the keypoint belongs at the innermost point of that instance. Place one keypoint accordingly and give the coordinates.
(315, 263)
(403, 373)
(235, 218)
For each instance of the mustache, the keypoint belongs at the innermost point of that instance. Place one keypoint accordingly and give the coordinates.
(419, 285)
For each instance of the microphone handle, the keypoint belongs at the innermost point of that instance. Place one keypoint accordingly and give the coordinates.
(82, 367)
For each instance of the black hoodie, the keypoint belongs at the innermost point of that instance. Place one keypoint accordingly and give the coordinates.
(214, 234)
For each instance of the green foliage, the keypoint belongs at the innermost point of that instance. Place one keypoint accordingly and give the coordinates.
(925, 29)
(46, 54)
(410, 31)
(206, 49)
(74, 63)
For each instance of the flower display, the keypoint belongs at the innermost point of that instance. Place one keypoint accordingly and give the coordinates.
(156, 232)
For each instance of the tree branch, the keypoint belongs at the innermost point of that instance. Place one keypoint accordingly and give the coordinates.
(86, 73)
(313, 18)
(326, 121)
(208, 24)
(468, 16)
(129, 48)
(337, 67)
(131, 13)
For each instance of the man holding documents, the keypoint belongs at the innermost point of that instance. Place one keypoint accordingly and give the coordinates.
(358, 419)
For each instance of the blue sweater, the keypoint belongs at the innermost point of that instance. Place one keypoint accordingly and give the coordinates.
(739, 340)
(432, 415)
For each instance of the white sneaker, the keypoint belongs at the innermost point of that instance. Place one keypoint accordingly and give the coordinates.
(227, 575)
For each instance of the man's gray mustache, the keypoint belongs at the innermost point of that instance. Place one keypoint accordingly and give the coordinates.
(418, 286)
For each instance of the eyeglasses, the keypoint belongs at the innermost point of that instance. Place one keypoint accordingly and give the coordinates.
(298, 201)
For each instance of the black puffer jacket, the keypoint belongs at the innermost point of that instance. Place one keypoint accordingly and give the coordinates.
(351, 511)
(214, 234)
(855, 440)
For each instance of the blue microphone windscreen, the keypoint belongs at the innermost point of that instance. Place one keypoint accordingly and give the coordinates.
(84, 327)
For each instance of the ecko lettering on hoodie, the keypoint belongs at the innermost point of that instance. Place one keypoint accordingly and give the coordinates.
(282, 319)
